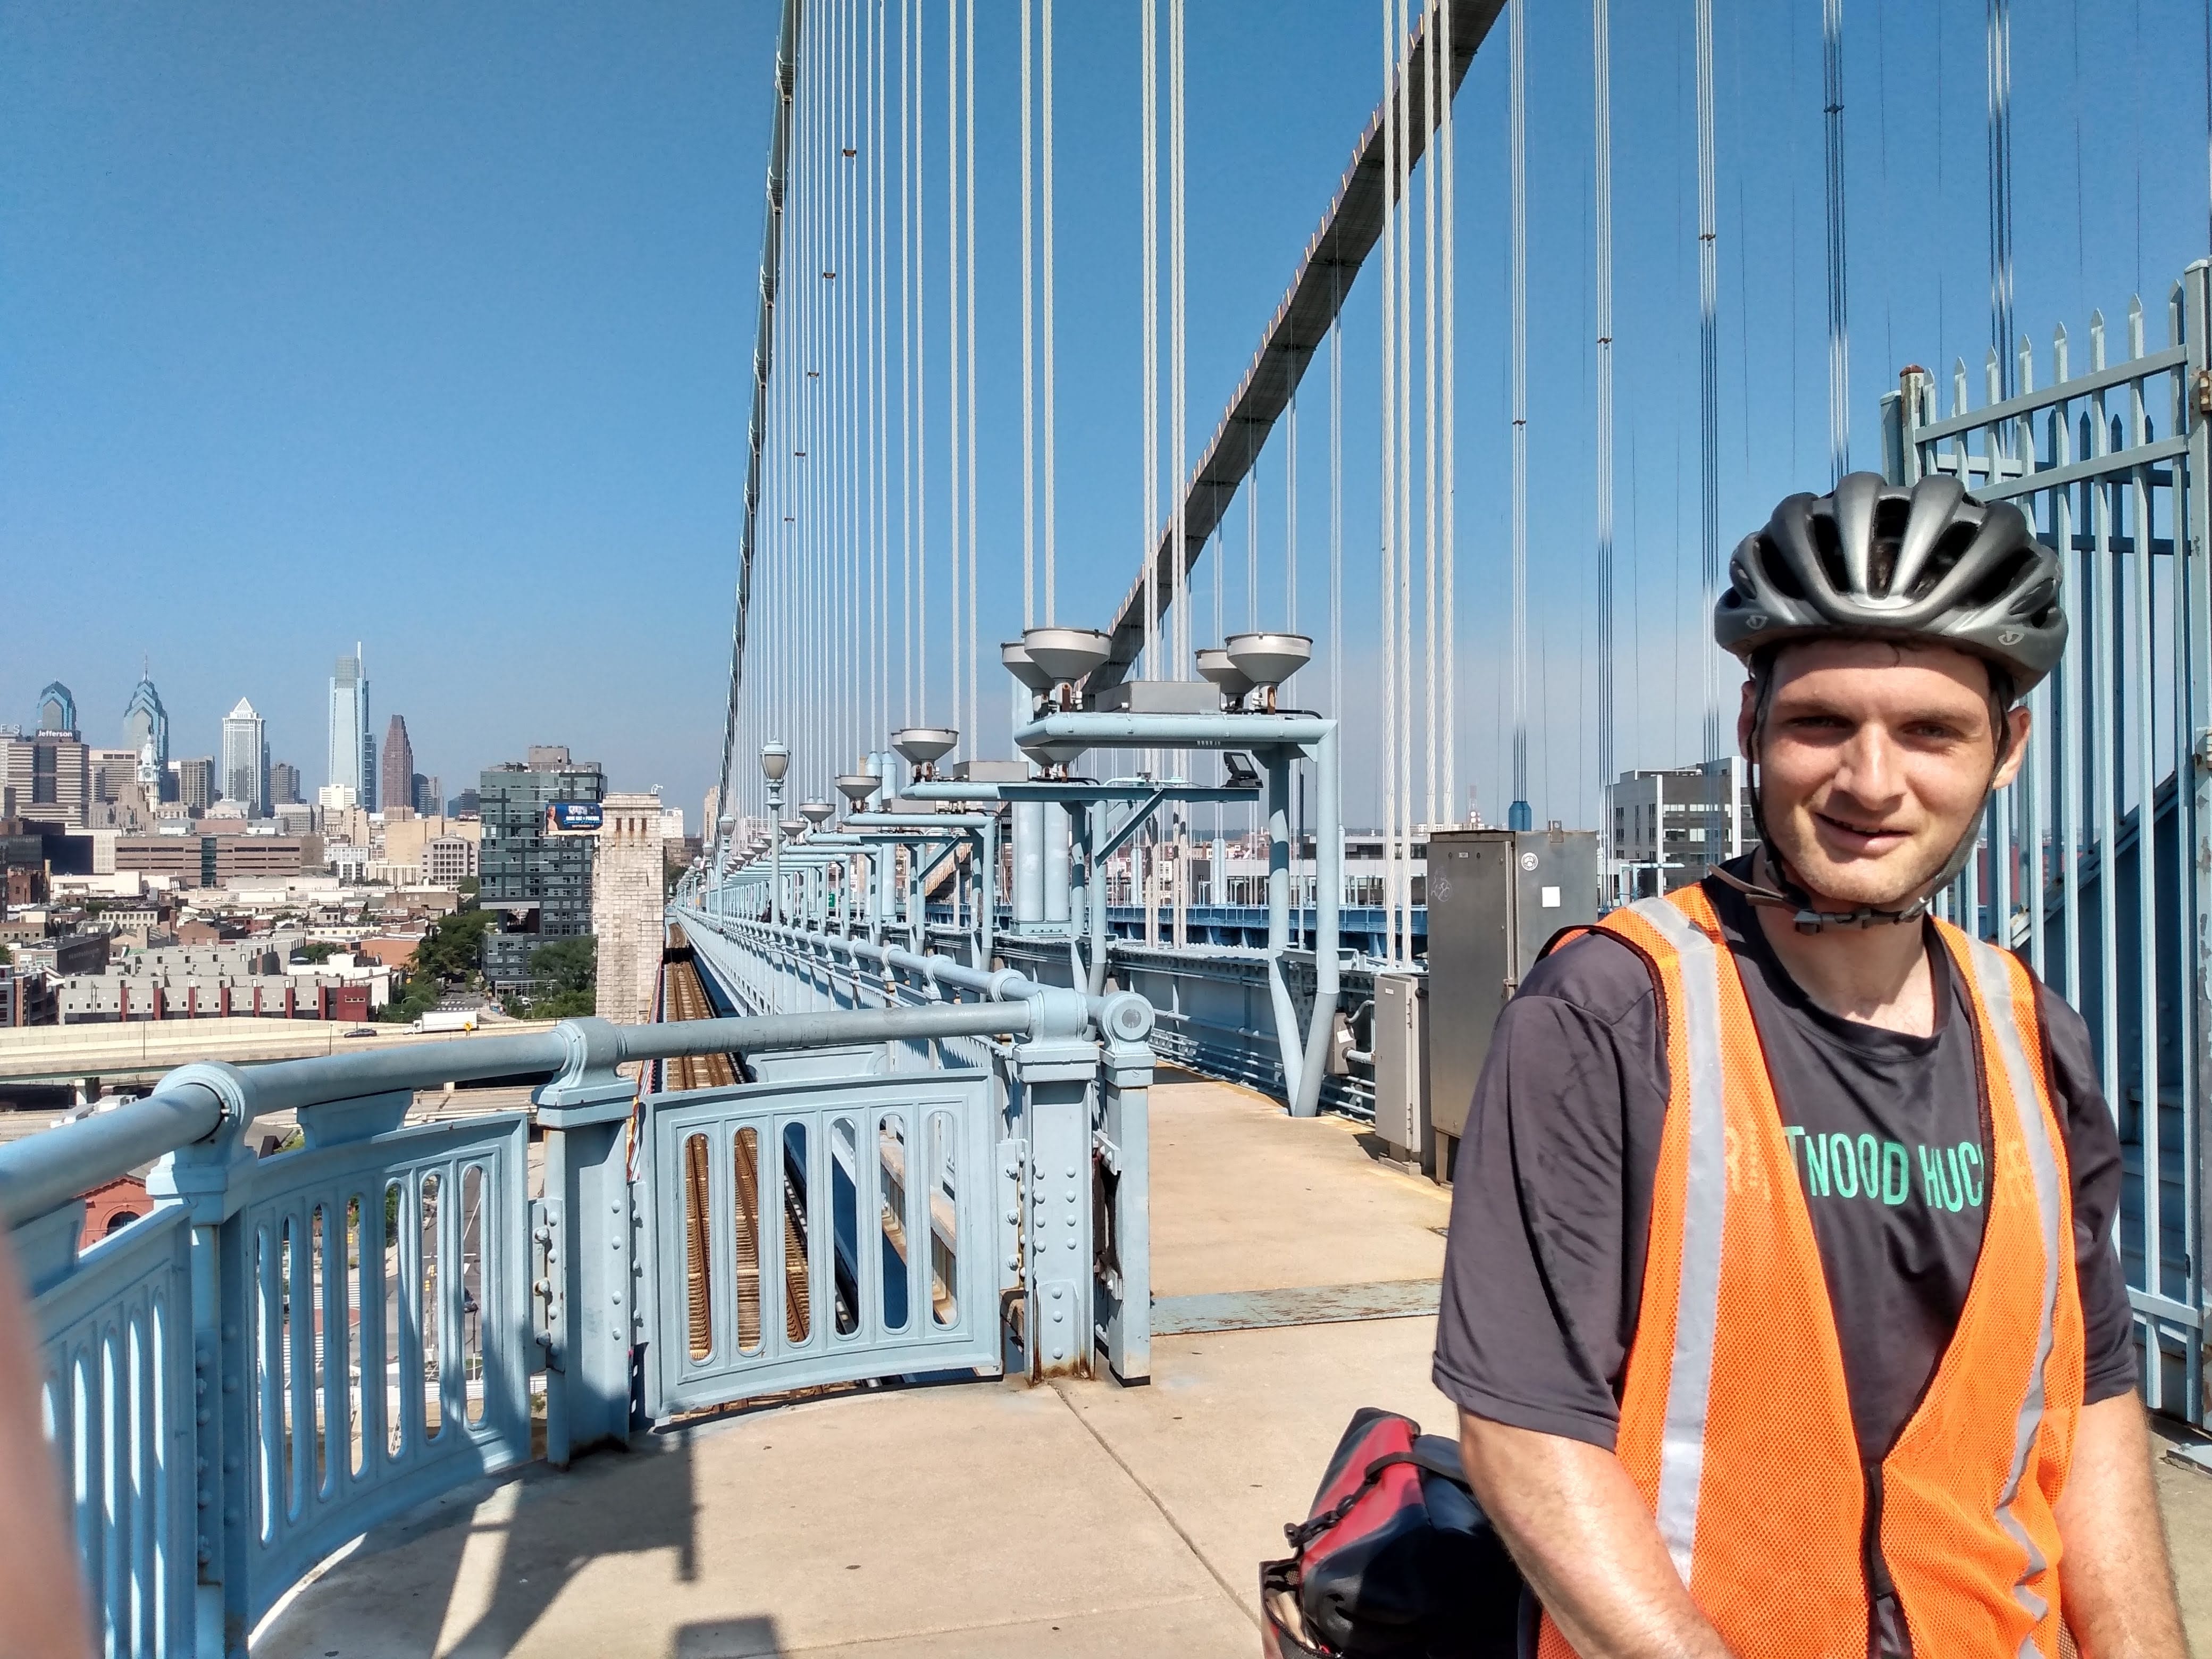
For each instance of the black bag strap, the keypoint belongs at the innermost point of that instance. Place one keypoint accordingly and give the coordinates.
(1302, 1533)
(1423, 1455)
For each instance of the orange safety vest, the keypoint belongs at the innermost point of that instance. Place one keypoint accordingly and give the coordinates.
(1735, 1423)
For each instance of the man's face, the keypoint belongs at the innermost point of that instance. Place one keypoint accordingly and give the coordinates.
(1872, 762)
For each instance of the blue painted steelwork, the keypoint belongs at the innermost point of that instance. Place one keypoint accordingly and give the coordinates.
(841, 1232)
(1072, 1165)
(110, 1319)
(294, 1348)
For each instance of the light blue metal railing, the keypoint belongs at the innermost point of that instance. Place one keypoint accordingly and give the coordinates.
(293, 1348)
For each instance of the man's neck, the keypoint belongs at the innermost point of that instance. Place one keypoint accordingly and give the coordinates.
(1875, 975)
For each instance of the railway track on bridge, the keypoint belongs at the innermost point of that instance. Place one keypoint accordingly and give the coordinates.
(683, 997)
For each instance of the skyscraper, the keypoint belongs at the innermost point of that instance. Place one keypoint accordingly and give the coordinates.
(57, 709)
(539, 881)
(396, 779)
(246, 760)
(284, 783)
(195, 779)
(146, 734)
(350, 741)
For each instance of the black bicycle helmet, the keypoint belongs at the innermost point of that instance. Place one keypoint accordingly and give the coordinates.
(1881, 560)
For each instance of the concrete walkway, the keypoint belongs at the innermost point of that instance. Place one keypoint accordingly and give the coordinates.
(987, 1519)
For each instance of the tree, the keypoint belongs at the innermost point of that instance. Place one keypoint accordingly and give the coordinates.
(449, 953)
(564, 976)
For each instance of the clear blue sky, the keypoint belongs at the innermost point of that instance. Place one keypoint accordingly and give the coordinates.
(431, 327)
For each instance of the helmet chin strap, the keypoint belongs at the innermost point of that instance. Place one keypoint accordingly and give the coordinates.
(1781, 890)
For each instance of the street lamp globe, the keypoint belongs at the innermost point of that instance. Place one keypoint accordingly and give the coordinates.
(776, 760)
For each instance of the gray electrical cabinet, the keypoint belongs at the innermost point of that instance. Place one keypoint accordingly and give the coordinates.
(1402, 1065)
(1495, 897)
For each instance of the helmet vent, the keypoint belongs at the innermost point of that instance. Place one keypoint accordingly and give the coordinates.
(1950, 548)
(1828, 547)
(1776, 569)
(1892, 514)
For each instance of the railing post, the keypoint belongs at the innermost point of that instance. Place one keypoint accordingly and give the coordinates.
(585, 1112)
(1057, 1063)
(2193, 549)
(1122, 1146)
(203, 1177)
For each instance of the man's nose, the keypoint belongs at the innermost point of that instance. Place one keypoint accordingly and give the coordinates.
(1869, 771)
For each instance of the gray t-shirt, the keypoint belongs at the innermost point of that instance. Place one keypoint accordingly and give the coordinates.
(1544, 1268)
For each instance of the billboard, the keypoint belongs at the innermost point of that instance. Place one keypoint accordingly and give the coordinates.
(571, 817)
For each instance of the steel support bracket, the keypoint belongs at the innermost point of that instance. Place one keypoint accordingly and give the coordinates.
(588, 1089)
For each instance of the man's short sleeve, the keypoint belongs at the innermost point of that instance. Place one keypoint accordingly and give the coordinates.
(2092, 1164)
(1550, 1203)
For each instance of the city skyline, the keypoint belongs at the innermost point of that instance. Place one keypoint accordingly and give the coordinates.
(147, 719)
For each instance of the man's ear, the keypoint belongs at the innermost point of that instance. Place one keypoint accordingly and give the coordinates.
(2018, 722)
(1746, 715)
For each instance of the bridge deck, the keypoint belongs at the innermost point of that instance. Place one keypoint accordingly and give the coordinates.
(990, 1519)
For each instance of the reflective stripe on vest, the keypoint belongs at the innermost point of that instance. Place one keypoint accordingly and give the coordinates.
(1736, 1419)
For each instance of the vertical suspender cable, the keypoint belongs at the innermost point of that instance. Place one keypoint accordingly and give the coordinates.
(973, 730)
(1151, 246)
(2000, 146)
(920, 386)
(1336, 503)
(1390, 463)
(1051, 494)
(840, 298)
(1178, 397)
(1401, 783)
(1448, 187)
(1252, 547)
(906, 369)
(1602, 69)
(1432, 94)
(1028, 326)
(880, 522)
(1519, 817)
(1708, 370)
(1291, 513)
(953, 434)
(1839, 336)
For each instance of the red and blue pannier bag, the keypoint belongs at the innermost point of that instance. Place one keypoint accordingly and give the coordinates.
(1397, 1559)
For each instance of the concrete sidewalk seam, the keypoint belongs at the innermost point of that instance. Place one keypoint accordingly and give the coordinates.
(1189, 1543)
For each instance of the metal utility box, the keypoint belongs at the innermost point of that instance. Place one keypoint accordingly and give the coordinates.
(1402, 1065)
(1495, 897)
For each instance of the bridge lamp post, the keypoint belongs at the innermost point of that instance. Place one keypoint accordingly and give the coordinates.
(717, 868)
(775, 760)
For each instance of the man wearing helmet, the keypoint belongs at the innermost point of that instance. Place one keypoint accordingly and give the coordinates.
(1780, 1301)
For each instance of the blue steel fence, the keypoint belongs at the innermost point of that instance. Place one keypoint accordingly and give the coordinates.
(1064, 1197)
(2095, 863)
(291, 1349)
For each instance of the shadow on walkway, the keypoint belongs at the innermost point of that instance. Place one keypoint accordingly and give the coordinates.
(470, 1575)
